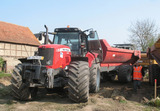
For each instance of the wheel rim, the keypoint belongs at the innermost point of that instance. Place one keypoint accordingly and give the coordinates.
(98, 79)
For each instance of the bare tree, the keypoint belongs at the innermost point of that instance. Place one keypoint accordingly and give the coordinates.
(143, 34)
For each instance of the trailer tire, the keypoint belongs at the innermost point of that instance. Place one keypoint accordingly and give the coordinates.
(106, 77)
(19, 89)
(125, 73)
(112, 78)
(154, 71)
(94, 80)
(78, 81)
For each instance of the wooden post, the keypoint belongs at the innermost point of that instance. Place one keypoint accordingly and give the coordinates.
(155, 89)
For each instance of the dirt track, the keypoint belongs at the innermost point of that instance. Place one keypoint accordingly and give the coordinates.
(113, 96)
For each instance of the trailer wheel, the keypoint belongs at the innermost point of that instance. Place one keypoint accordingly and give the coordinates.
(125, 73)
(112, 78)
(78, 81)
(19, 89)
(154, 71)
(94, 81)
(104, 77)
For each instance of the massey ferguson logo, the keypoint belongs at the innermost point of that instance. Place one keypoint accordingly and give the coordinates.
(65, 49)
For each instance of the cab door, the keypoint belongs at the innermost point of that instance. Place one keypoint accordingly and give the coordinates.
(94, 46)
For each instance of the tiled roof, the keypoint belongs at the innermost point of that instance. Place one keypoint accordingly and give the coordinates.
(17, 34)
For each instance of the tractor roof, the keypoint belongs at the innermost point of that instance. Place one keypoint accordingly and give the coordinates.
(67, 30)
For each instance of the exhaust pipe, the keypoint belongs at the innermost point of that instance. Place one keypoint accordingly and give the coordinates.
(46, 37)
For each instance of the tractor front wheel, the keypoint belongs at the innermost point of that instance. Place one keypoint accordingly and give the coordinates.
(78, 81)
(19, 89)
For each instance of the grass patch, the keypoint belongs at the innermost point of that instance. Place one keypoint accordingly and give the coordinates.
(154, 102)
(2, 74)
(122, 101)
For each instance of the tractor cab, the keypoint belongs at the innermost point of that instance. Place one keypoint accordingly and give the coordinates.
(80, 42)
(69, 37)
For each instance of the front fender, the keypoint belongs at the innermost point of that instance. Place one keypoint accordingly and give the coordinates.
(91, 58)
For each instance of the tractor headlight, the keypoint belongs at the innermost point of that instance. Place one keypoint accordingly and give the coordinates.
(48, 62)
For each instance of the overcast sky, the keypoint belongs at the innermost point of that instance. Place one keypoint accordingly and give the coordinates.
(111, 18)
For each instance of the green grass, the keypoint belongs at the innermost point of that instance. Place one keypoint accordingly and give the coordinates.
(122, 101)
(155, 102)
(4, 90)
(2, 74)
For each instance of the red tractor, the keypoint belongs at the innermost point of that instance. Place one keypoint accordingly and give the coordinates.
(75, 58)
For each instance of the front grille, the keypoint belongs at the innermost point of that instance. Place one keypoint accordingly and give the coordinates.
(47, 53)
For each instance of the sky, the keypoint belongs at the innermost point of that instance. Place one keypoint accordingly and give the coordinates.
(110, 18)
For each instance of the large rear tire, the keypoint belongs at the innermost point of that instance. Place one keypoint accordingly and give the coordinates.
(19, 89)
(78, 81)
(125, 73)
(94, 82)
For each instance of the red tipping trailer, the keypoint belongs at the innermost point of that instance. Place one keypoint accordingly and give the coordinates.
(117, 61)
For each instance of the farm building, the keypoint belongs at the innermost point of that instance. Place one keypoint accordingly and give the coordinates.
(16, 42)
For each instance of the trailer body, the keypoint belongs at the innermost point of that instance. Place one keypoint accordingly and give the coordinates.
(113, 57)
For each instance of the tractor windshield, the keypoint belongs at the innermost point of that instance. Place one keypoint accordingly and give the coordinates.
(70, 39)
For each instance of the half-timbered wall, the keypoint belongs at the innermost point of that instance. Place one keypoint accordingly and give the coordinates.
(10, 52)
(16, 50)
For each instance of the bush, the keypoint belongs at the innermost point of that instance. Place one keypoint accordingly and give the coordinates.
(1, 62)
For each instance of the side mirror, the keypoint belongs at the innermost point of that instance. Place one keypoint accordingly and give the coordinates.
(40, 36)
(92, 34)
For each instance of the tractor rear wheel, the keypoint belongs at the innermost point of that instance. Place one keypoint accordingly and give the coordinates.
(78, 81)
(125, 73)
(94, 81)
(19, 89)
